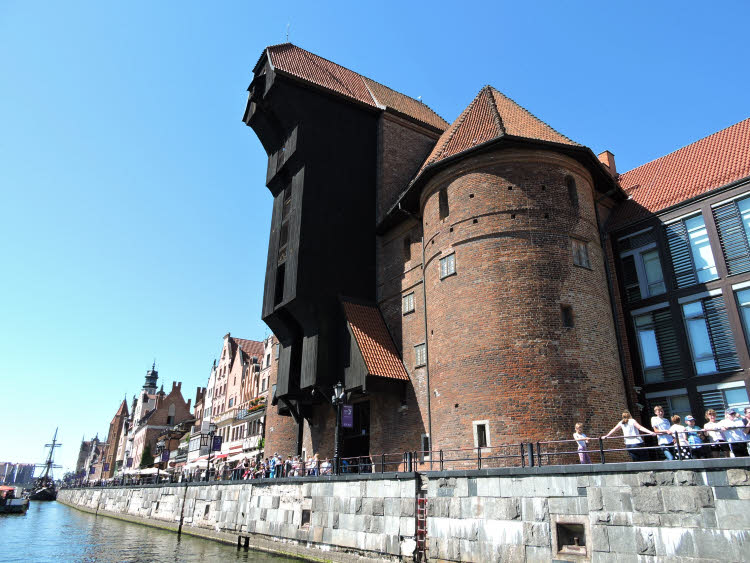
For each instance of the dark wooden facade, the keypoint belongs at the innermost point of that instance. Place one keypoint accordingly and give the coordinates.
(321, 172)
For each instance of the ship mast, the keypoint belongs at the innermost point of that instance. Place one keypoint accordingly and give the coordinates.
(49, 465)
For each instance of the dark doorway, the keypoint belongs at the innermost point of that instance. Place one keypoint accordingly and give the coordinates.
(355, 441)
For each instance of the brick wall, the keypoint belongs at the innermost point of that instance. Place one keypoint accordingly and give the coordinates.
(497, 347)
(280, 431)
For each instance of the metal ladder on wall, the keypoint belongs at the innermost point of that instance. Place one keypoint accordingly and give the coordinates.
(421, 514)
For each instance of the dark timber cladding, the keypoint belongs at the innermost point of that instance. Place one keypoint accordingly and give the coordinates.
(321, 171)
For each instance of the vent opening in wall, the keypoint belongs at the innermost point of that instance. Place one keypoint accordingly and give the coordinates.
(567, 316)
(512, 215)
(205, 511)
(544, 188)
(157, 506)
(546, 215)
(571, 539)
(305, 522)
(570, 183)
(475, 221)
(471, 196)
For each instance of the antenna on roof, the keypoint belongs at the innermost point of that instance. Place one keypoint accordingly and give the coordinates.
(287, 32)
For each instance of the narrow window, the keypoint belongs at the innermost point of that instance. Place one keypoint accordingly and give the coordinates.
(420, 355)
(407, 248)
(648, 346)
(279, 293)
(733, 224)
(567, 316)
(570, 183)
(424, 455)
(722, 399)
(448, 265)
(443, 201)
(481, 433)
(580, 253)
(641, 267)
(408, 303)
(700, 340)
(170, 415)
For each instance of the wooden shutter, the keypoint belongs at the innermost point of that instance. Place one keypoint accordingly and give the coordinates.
(682, 259)
(720, 333)
(732, 237)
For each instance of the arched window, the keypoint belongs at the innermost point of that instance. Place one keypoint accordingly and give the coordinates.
(572, 190)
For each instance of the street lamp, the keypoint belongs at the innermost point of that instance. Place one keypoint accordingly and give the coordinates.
(207, 439)
(337, 399)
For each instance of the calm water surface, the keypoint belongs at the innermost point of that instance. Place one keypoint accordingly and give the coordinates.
(50, 531)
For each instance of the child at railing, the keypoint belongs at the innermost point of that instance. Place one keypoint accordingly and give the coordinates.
(680, 435)
(698, 449)
(582, 440)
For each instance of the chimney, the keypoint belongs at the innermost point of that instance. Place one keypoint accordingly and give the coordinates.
(608, 160)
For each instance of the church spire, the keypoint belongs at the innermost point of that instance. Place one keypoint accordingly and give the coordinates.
(151, 376)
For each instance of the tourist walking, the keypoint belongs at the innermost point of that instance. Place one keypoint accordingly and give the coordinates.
(582, 440)
(633, 441)
(661, 427)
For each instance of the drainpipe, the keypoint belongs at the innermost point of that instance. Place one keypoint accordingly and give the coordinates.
(426, 352)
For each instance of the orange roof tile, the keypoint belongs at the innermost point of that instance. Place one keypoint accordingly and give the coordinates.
(311, 68)
(250, 347)
(707, 164)
(374, 341)
(489, 116)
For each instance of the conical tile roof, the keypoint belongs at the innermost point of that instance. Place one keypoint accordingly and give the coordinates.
(491, 115)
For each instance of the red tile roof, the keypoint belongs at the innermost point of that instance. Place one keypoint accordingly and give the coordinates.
(374, 340)
(250, 347)
(311, 68)
(712, 162)
(489, 116)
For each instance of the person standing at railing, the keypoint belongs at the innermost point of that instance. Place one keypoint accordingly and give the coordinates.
(633, 441)
(697, 448)
(680, 435)
(714, 433)
(661, 427)
(732, 429)
(582, 440)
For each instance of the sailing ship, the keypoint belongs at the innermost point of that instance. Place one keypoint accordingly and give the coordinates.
(44, 487)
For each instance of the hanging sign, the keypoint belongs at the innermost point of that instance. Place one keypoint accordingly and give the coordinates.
(347, 416)
(106, 466)
(216, 446)
(92, 470)
(129, 463)
(165, 455)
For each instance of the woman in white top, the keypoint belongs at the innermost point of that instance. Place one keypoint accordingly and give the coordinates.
(661, 426)
(719, 444)
(633, 440)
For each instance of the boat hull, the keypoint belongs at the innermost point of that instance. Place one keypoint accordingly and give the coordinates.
(14, 506)
(43, 494)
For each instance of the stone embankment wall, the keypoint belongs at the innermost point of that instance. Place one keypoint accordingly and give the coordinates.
(693, 511)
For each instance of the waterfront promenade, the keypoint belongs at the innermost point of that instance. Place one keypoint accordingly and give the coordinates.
(695, 510)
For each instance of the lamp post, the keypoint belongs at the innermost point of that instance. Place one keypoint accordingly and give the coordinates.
(208, 439)
(337, 399)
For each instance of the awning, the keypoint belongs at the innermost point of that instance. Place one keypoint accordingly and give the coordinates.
(221, 456)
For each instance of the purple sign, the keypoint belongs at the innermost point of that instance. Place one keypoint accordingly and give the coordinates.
(347, 416)
(129, 463)
(106, 467)
(216, 446)
(165, 455)
(92, 470)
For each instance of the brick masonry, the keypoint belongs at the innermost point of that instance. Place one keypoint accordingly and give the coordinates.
(672, 511)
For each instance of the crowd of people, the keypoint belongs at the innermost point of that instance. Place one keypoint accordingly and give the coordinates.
(728, 437)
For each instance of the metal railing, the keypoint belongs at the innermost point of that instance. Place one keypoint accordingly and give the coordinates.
(521, 455)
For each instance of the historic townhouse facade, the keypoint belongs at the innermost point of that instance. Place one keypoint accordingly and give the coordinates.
(490, 280)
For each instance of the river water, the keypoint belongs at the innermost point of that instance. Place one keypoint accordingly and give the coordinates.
(50, 531)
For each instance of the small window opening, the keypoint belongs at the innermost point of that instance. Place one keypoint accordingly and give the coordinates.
(279, 292)
(424, 454)
(451, 229)
(546, 215)
(481, 435)
(544, 188)
(572, 190)
(407, 248)
(443, 202)
(510, 188)
(205, 511)
(305, 518)
(475, 221)
(567, 316)
(471, 196)
(512, 215)
(157, 506)
(571, 539)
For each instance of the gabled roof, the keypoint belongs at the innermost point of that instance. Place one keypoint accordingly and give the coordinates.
(123, 410)
(707, 164)
(306, 66)
(489, 116)
(374, 341)
(250, 347)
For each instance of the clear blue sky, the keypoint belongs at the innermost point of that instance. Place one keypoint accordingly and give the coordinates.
(134, 217)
